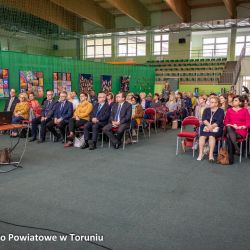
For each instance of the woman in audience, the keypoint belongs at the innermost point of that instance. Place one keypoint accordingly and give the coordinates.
(110, 99)
(223, 102)
(230, 100)
(237, 120)
(72, 97)
(35, 108)
(211, 127)
(21, 112)
(199, 110)
(137, 116)
(129, 97)
(156, 103)
(81, 116)
(144, 103)
(172, 107)
(166, 91)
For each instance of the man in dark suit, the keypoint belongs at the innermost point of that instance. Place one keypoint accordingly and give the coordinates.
(62, 112)
(98, 119)
(120, 119)
(11, 101)
(47, 113)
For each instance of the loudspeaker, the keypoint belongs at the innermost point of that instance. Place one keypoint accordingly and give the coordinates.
(55, 47)
(182, 40)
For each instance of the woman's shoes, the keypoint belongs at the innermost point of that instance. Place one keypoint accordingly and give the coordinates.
(200, 158)
(211, 160)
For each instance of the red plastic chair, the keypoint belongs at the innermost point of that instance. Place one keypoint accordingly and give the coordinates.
(188, 135)
(150, 114)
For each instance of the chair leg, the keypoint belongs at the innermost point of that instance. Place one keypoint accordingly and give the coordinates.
(218, 147)
(143, 132)
(102, 140)
(246, 147)
(177, 146)
(240, 151)
(193, 147)
(124, 140)
(155, 128)
(149, 128)
(109, 143)
(137, 136)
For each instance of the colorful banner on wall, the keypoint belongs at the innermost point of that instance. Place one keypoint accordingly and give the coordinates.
(62, 82)
(125, 80)
(86, 83)
(106, 83)
(31, 81)
(4, 83)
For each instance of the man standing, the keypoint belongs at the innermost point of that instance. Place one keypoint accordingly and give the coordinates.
(11, 101)
(98, 119)
(119, 121)
(46, 117)
(62, 113)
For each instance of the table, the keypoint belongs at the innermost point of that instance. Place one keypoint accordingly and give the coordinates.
(8, 127)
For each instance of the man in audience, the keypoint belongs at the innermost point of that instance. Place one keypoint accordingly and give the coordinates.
(46, 117)
(93, 98)
(119, 121)
(62, 113)
(11, 101)
(98, 119)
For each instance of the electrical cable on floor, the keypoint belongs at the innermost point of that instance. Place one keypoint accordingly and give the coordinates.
(51, 230)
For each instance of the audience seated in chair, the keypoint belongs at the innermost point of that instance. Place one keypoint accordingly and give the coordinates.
(200, 107)
(172, 107)
(62, 113)
(119, 121)
(21, 112)
(11, 101)
(80, 118)
(46, 117)
(99, 117)
(237, 121)
(211, 128)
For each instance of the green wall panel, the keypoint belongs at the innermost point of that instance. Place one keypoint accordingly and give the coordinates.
(142, 77)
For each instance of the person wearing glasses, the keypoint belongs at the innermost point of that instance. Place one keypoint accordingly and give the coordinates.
(211, 127)
(46, 117)
(62, 112)
(21, 112)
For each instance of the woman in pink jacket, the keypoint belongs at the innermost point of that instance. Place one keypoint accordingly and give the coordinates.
(237, 122)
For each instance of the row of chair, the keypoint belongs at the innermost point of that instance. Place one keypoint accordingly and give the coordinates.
(193, 136)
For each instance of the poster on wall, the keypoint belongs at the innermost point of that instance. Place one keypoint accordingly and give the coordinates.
(86, 83)
(62, 82)
(106, 83)
(31, 81)
(4, 83)
(125, 80)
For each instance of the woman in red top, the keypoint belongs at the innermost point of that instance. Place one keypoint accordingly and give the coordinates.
(237, 120)
(35, 108)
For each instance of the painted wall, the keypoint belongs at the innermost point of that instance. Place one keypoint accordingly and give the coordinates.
(142, 77)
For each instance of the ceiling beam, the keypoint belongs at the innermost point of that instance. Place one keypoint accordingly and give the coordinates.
(181, 9)
(90, 10)
(231, 8)
(134, 9)
(48, 11)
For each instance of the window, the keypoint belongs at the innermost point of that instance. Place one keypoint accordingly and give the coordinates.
(131, 45)
(215, 47)
(241, 41)
(161, 44)
(98, 47)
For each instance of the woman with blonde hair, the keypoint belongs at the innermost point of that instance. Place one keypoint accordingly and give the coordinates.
(21, 111)
(211, 127)
(172, 106)
(200, 107)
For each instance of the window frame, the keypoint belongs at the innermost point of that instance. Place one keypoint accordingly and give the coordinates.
(243, 43)
(160, 43)
(214, 45)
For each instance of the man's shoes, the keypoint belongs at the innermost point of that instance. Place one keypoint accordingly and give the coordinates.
(32, 139)
(40, 141)
(93, 146)
(117, 145)
(57, 138)
(85, 145)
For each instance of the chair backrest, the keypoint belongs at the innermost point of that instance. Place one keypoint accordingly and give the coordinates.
(192, 121)
(151, 113)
